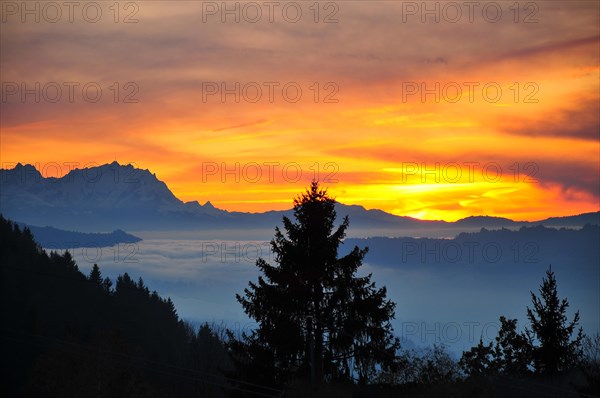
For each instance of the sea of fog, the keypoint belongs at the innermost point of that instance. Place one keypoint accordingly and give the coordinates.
(453, 305)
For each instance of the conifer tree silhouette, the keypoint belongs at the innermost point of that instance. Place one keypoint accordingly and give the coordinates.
(316, 317)
(556, 350)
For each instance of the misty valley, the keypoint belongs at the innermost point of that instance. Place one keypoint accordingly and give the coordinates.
(431, 276)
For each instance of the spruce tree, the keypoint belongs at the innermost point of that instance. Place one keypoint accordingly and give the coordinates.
(556, 350)
(548, 347)
(315, 317)
(107, 285)
(95, 276)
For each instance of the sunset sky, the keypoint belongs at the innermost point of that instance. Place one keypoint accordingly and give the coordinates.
(524, 135)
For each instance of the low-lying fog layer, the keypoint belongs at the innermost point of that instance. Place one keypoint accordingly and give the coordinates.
(438, 298)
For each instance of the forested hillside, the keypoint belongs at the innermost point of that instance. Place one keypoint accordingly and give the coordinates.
(65, 334)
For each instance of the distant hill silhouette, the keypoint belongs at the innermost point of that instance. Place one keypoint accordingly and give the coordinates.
(502, 248)
(478, 221)
(54, 238)
(113, 196)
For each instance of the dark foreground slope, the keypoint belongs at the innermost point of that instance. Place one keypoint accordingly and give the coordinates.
(67, 335)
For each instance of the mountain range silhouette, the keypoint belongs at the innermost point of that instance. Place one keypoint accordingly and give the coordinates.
(114, 196)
